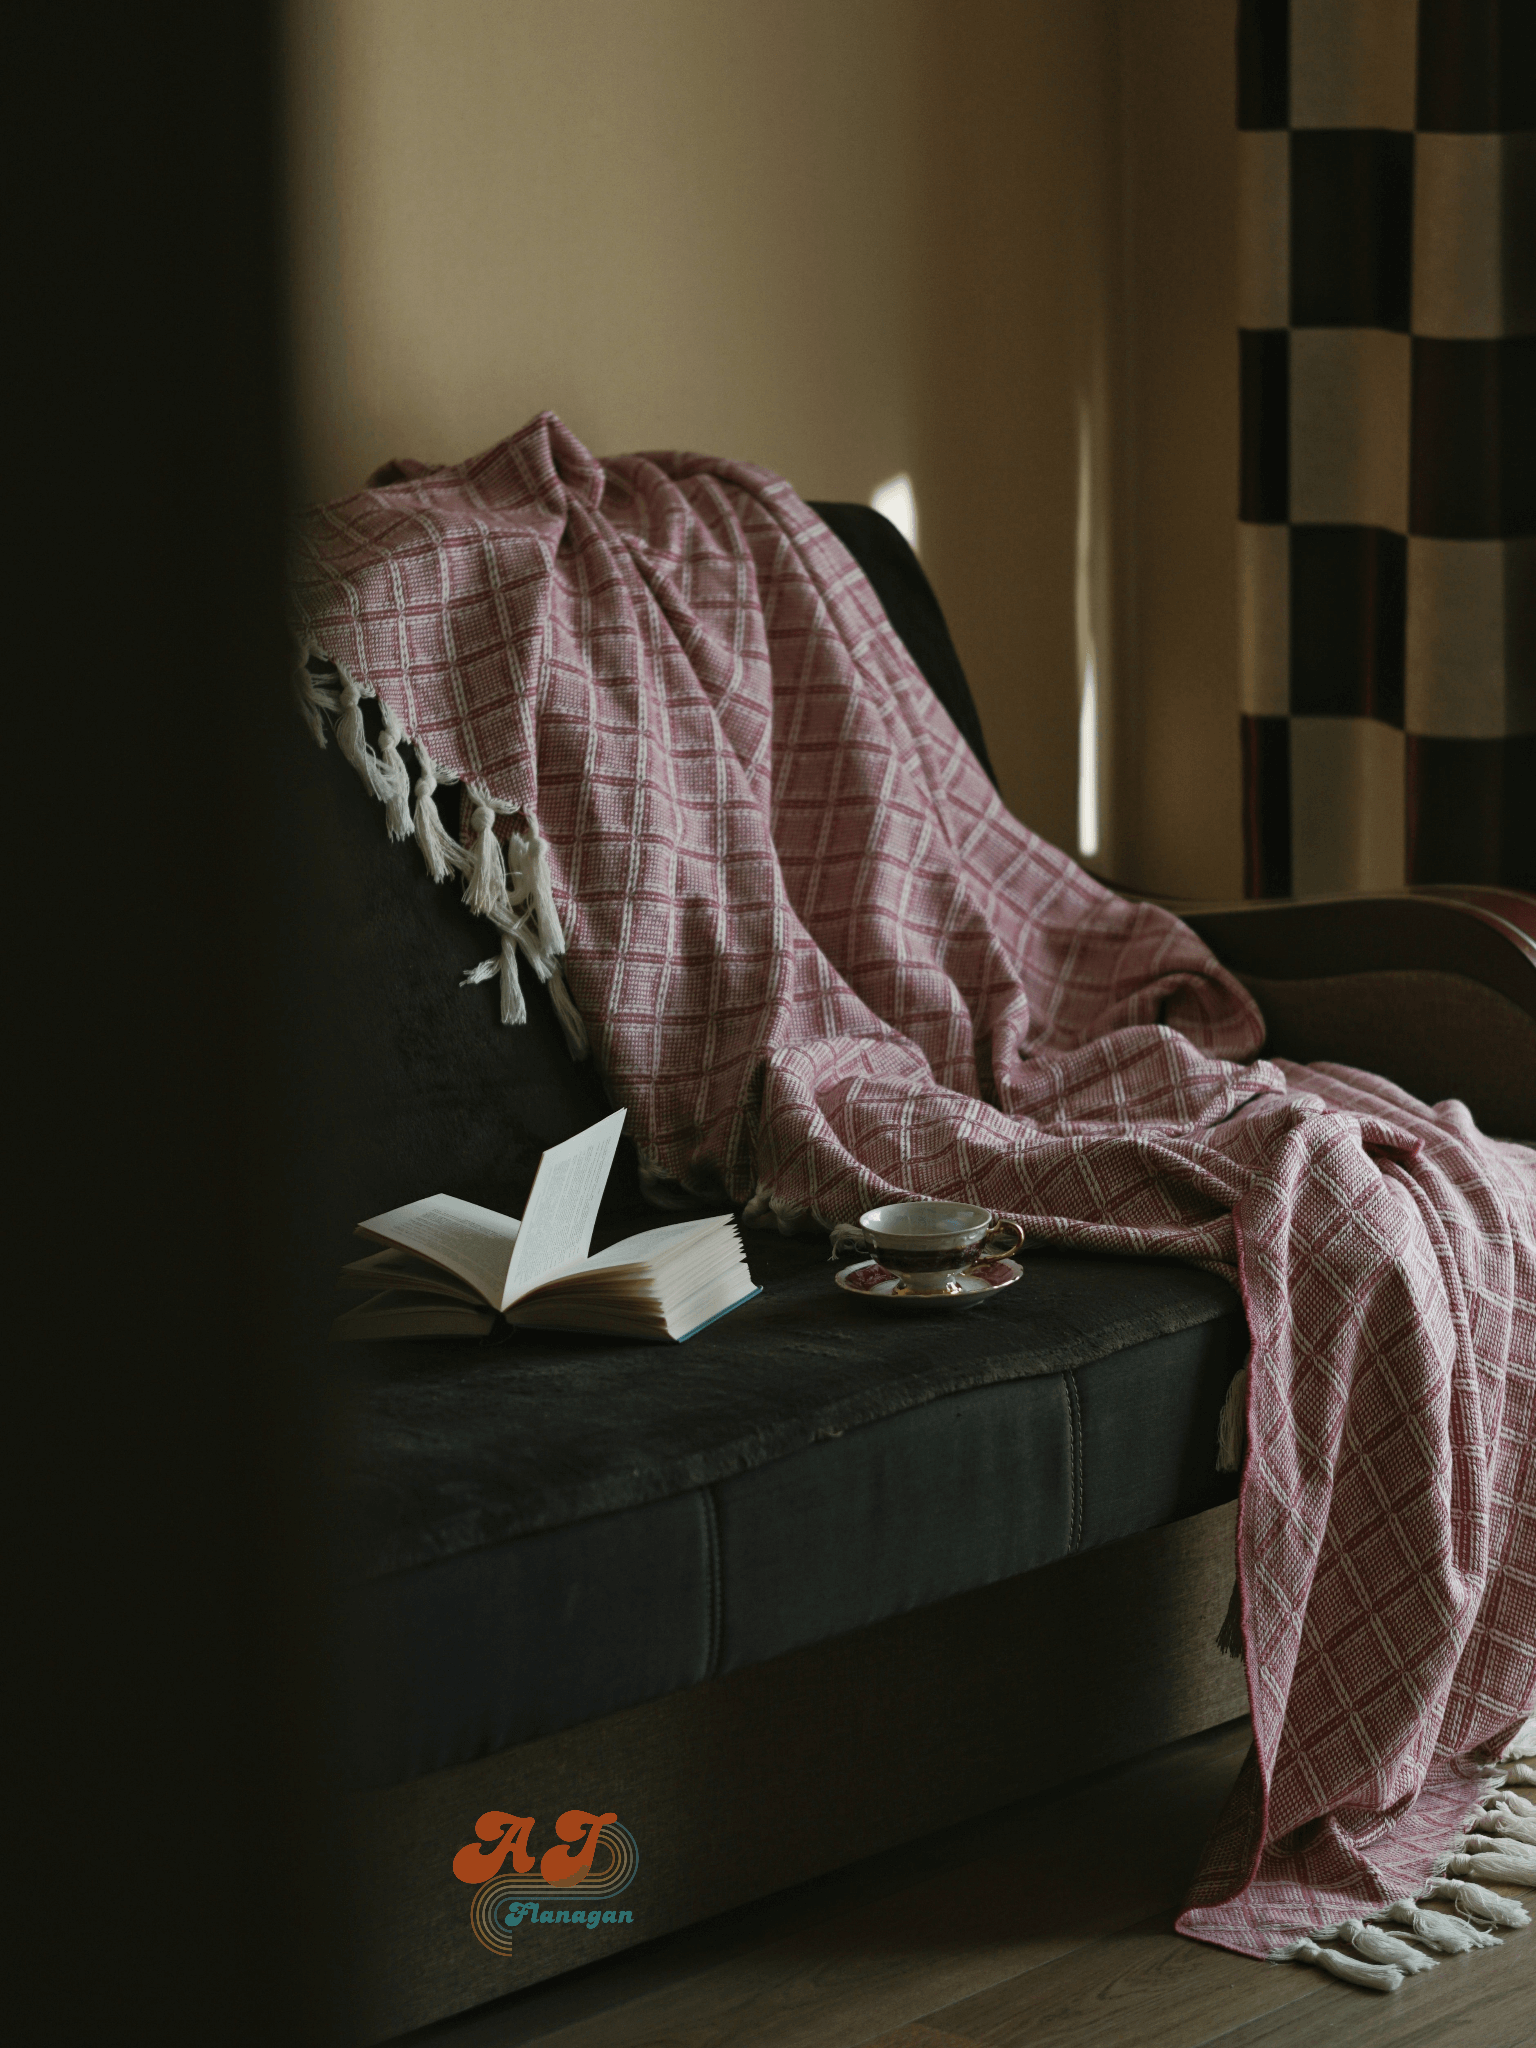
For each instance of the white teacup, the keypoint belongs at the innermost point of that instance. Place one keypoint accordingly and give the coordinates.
(929, 1245)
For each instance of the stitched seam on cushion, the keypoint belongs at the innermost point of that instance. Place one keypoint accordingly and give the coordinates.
(1077, 1460)
(713, 1591)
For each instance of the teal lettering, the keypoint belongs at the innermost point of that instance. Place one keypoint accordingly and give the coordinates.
(562, 1914)
(626, 1916)
(608, 1919)
(545, 1917)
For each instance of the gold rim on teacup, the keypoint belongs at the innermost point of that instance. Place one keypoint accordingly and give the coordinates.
(930, 1246)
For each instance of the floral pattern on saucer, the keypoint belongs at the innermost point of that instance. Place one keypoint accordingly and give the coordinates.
(877, 1283)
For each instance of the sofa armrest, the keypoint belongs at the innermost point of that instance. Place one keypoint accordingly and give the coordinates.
(1435, 989)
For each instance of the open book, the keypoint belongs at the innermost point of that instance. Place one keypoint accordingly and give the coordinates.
(448, 1268)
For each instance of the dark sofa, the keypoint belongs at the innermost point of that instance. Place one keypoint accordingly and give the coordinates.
(825, 1577)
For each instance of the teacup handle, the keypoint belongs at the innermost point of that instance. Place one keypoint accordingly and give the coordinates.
(991, 1248)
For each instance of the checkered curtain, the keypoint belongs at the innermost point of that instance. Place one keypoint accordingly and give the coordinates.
(1387, 544)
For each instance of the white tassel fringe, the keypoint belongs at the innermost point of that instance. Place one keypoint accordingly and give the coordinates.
(512, 889)
(486, 889)
(385, 775)
(1506, 1826)
(526, 859)
(1475, 1902)
(317, 698)
(1377, 1946)
(441, 854)
(396, 779)
(513, 1009)
(1373, 1976)
(1450, 1937)
(1483, 1845)
(1500, 1863)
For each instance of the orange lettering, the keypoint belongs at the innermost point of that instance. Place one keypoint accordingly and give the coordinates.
(473, 1865)
(564, 1866)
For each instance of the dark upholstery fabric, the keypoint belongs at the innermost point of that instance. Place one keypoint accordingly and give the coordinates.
(456, 1446)
(459, 1659)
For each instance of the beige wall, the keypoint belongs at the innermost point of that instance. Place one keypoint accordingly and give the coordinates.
(1019, 287)
(1180, 792)
(975, 240)
(677, 223)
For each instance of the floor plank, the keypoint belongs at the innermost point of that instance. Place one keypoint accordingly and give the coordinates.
(1483, 2000)
(869, 1951)
(915, 2036)
(1143, 1985)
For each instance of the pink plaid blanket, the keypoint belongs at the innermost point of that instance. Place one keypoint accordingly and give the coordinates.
(822, 966)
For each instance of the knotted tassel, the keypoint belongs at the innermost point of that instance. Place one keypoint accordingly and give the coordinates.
(1500, 1863)
(1506, 1826)
(483, 970)
(540, 932)
(315, 696)
(350, 736)
(486, 889)
(1485, 1845)
(1373, 1976)
(1512, 1800)
(387, 778)
(394, 778)
(438, 851)
(1377, 1946)
(1232, 1429)
(534, 860)
(1451, 1937)
(1478, 1903)
(1520, 1774)
(513, 1009)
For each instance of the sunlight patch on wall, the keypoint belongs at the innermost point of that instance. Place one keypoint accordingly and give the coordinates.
(1088, 765)
(898, 501)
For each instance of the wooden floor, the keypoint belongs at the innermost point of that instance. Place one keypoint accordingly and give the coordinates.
(1048, 1922)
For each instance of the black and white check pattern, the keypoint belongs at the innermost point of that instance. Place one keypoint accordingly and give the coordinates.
(1387, 547)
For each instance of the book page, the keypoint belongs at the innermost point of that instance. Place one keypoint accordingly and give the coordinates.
(562, 1207)
(477, 1244)
(404, 1271)
(652, 1244)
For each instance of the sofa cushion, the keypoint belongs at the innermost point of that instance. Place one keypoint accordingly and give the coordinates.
(834, 1463)
(454, 1446)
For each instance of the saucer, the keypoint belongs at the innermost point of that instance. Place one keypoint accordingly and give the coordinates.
(871, 1279)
